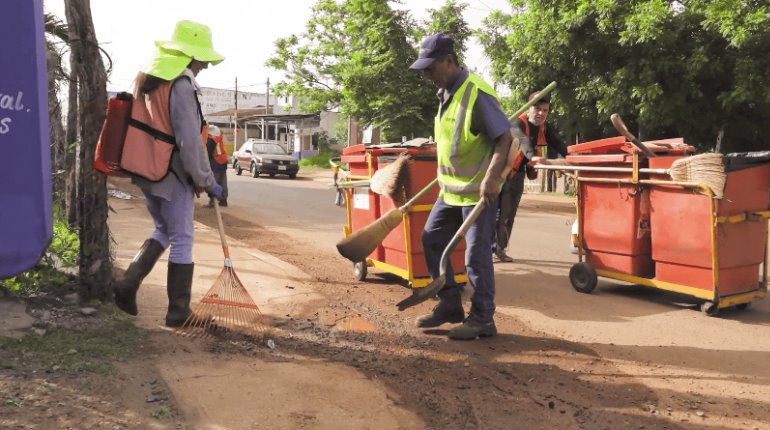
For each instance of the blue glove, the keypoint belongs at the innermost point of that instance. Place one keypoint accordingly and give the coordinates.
(216, 191)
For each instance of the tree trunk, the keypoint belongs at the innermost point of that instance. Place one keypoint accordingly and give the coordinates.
(72, 137)
(95, 261)
(58, 146)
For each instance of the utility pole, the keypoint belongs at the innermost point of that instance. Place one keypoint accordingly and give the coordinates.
(235, 128)
(268, 94)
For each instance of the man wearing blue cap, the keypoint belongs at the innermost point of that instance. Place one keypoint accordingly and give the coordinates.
(472, 136)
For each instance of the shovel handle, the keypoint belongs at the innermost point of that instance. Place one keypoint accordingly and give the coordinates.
(460, 234)
(620, 126)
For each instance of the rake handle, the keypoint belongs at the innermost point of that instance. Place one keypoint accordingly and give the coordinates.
(221, 227)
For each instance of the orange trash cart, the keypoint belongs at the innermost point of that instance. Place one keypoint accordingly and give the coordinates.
(401, 251)
(678, 237)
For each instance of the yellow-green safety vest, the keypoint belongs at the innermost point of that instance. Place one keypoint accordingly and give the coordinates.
(463, 158)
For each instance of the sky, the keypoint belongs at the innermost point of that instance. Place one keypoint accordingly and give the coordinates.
(243, 31)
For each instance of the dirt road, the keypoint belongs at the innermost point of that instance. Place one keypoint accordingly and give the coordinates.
(344, 357)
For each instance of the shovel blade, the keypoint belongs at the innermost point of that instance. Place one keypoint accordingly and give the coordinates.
(420, 295)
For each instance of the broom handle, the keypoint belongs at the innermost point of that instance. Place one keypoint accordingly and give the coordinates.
(571, 167)
(221, 227)
(417, 196)
(621, 127)
(542, 93)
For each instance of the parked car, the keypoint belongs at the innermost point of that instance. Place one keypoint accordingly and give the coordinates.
(264, 158)
(239, 151)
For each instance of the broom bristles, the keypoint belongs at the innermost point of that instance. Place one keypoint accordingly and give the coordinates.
(707, 169)
(389, 181)
(226, 307)
(360, 244)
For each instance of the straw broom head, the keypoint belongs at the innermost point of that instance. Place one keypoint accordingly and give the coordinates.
(389, 181)
(360, 244)
(707, 169)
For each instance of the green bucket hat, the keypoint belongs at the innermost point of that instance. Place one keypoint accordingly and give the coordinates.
(167, 65)
(194, 40)
(190, 41)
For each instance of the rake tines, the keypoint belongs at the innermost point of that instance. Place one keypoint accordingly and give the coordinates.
(227, 306)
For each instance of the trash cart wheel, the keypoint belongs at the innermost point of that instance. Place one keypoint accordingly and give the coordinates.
(359, 270)
(709, 308)
(583, 277)
(742, 306)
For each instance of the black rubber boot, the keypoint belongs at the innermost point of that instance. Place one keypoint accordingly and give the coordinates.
(448, 310)
(179, 287)
(142, 264)
(472, 329)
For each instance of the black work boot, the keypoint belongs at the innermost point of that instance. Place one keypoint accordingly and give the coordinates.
(472, 329)
(179, 287)
(125, 288)
(442, 313)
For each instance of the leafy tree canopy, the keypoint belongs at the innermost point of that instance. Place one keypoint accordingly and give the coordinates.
(671, 68)
(354, 56)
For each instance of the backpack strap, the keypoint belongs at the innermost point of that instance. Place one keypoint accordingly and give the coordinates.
(157, 134)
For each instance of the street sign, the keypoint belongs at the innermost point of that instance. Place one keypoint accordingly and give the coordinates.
(25, 164)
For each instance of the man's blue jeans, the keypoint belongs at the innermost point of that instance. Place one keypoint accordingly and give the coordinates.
(443, 222)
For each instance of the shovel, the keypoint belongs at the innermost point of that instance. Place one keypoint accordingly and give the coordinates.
(419, 295)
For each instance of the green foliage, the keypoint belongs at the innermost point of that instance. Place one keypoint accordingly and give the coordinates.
(341, 131)
(160, 413)
(354, 56)
(324, 141)
(319, 160)
(91, 348)
(61, 253)
(669, 68)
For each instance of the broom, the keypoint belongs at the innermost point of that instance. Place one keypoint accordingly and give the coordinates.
(389, 181)
(227, 305)
(706, 169)
(360, 244)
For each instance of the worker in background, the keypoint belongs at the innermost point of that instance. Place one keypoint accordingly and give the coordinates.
(538, 142)
(472, 137)
(169, 82)
(215, 147)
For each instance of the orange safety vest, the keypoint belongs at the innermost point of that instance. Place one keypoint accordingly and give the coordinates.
(220, 154)
(149, 139)
(541, 146)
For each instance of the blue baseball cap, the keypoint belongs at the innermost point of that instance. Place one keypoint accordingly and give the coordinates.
(431, 48)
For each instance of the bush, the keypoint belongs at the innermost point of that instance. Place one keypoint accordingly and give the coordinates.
(62, 253)
(319, 160)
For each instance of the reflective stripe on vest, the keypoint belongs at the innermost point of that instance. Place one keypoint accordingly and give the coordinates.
(463, 158)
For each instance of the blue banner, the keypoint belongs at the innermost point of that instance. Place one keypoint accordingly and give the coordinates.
(25, 163)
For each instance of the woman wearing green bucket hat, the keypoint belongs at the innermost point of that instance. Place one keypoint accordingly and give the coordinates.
(166, 98)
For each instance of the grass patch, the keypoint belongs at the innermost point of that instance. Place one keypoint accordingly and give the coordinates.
(92, 347)
(319, 160)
